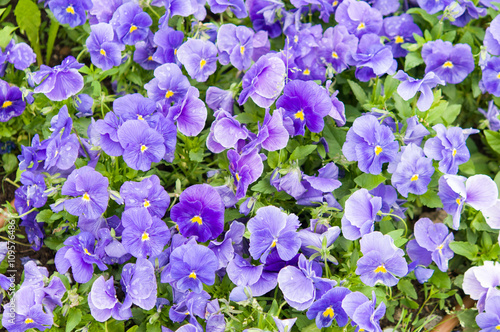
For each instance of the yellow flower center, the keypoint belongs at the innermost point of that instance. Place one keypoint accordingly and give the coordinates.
(175, 51)
(237, 177)
(86, 251)
(361, 26)
(274, 243)
(70, 10)
(335, 55)
(497, 327)
(6, 104)
(414, 177)
(300, 115)
(145, 236)
(197, 219)
(440, 247)
(86, 197)
(335, 3)
(169, 94)
(203, 62)
(307, 72)
(378, 150)
(242, 50)
(399, 40)
(28, 202)
(296, 39)
(458, 201)
(380, 268)
(192, 275)
(498, 76)
(454, 152)
(361, 330)
(103, 52)
(150, 58)
(143, 148)
(132, 28)
(28, 321)
(328, 312)
(146, 203)
(448, 64)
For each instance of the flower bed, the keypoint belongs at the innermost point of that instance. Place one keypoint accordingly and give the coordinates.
(259, 165)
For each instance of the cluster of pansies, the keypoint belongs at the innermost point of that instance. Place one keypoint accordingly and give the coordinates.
(212, 165)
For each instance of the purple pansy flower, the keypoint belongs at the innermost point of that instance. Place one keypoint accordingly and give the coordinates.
(60, 82)
(284, 325)
(264, 81)
(21, 55)
(190, 114)
(272, 228)
(104, 52)
(148, 194)
(273, 135)
(200, 212)
(469, 11)
(139, 284)
(235, 45)
(329, 308)
(245, 168)
(399, 30)
(337, 45)
(433, 6)
(431, 243)
(479, 191)
(492, 116)
(169, 85)
(168, 42)
(78, 254)
(448, 147)
(372, 58)
(358, 17)
(83, 104)
(492, 37)
(489, 321)
(199, 57)
(410, 86)
(91, 189)
(481, 282)
(133, 106)
(34, 230)
(103, 302)
(363, 311)
(236, 6)
(130, 23)
(70, 12)
(191, 265)
(451, 63)
(217, 98)
(370, 144)
(144, 52)
(225, 132)
(305, 103)
(415, 131)
(104, 133)
(11, 100)
(361, 210)
(490, 80)
(382, 261)
(142, 145)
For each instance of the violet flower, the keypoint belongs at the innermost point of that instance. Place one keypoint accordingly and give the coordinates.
(410, 86)
(236, 6)
(199, 57)
(144, 52)
(481, 282)
(148, 194)
(272, 134)
(235, 45)
(489, 321)
(70, 12)
(200, 212)
(492, 116)
(217, 98)
(363, 311)
(130, 23)
(168, 42)
(21, 55)
(415, 131)
(337, 45)
(133, 106)
(329, 308)
(104, 52)
(361, 211)
(103, 302)
(492, 37)
(190, 114)
(139, 284)
(104, 133)
(358, 17)
(169, 85)
(372, 58)
(399, 30)
(245, 169)
(11, 100)
(490, 80)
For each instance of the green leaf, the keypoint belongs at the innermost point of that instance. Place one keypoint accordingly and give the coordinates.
(432, 19)
(402, 106)
(74, 318)
(369, 181)
(5, 36)
(231, 214)
(465, 249)
(9, 161)
(493, 139)
(335, 137)
(196, 155)
(431, 199)
(451, 113)
(390, 86)
(264, 186)
(54, 28)
(440, 279)
(28, 18)
(406, 287)
(449, 36)
(273, 159)
(358, 92)
(302, 151)
(413, 60)
(44, 216)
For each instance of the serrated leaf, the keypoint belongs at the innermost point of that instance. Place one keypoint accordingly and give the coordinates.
(413, 60)
(406, 287)
(302, 151)
(431, 199)
(264, 186)
(465, 249)
(5, 35)
(369, 181)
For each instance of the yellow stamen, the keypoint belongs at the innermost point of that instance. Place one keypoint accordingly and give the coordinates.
(28, 202)
(139, 117)
(86, 197)
(132, 28)
(145, 236)
(143, 148)
(414, 177)
(6, 104)
(28, 321)
(361, 330)
(328, 312)
(399, 40)
(103, 52)
(175, 51)
(146, 203)
(458, 201)
(300, 115)
(335, 3)
(274, 243)
(498, 76)
(335, 55)
(86, 251)
(440, 247)
(70, 10)
(448, 64)
(361, 26)
(192, 275)
(296, 39)
(150, 58)
(380, 268)
(169, 94)
(242, 50)
(237, 177)
(307, 72)
(497, 327)
(454, 152)
(197, 219)
(203, 62)
(378, 150)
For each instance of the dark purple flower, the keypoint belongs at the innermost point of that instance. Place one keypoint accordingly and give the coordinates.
(481, 282)
(142, 145)
(361, 210)
(11, 100)
(130, 23)
(410, 86)
(490, 80)
(78, 254)
(245, 169)
(372, 58)
(358, 17)
(236, 6)
(489, 321)
(139, 284)
(103, 302)
(148, 194)
(329, 308)
(104, 52)
(492, 116)
(34, 229)
(31, 156)
(34, 187)
(399, 30)
(448, 147)
(305, 103)
(235, 45)
(451, 63)
(264, 81)
(169, 85)
(337, 45)
(70, 12)
(60, 82)
(191, 265)
(200, 212)
(168, 42)
(263, 16)
(21, 55)
(363, 311)
(414, 171)
(217, 98)
(272, 228)
(199, 57)
(370, 143)
(92, 191)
